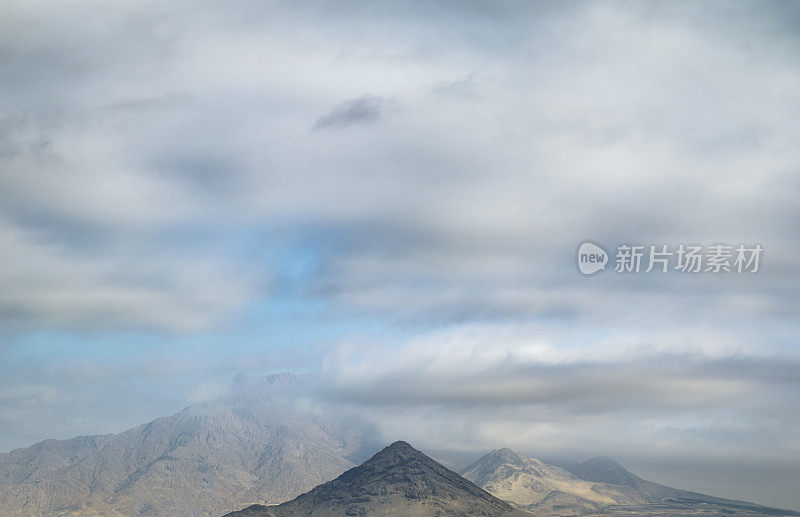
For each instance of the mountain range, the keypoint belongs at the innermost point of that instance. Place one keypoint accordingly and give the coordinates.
(268, 447)
(599, 486)
(401, 481)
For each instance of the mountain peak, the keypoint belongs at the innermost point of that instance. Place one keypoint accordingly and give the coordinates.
(396, 454)
(397, 479)
(495, 459)
(605, 470)
(401, 455)
(509, 455)
(400, 445)
(510, 475)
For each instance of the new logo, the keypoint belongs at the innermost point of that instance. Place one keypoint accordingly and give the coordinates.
(591, 258)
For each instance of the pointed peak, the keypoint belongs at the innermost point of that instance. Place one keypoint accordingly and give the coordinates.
(400, 444)
(397, 475)
(398, 455)
(398, 449)
(506, 455)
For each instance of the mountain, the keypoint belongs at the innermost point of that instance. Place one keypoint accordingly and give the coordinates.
(266, 442)
(605, 470)
(599, 486)
(397, 481)
(537, 486)
(260, 443)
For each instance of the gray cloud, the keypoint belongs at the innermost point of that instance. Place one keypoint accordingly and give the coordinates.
(484, 196)
(666, 402)
(364, 110)
(151, 157)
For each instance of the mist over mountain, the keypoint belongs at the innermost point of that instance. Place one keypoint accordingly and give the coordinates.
(263, 442)
(598, 486)
(270, 439)
(399, 481)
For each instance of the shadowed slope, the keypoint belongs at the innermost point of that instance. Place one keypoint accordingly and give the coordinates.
(399, 480)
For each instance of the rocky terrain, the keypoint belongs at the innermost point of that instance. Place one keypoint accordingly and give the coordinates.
(259, 444)
(599, 486)
(265, 443)
(397, 481)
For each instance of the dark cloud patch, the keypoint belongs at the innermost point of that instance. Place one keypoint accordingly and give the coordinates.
(364, 110)
(464, 88)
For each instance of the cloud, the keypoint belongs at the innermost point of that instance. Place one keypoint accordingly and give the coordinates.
(563, 393)
(157, 174)
(116, 287)
(501, 365)
(364, 110)
(458, 207)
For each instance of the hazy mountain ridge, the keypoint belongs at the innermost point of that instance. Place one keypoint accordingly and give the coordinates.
(398, 481)
(257, 444)
(266, 443)
(599, 486)
(526, 482)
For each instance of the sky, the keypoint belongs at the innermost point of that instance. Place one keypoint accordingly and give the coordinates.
(390, 196)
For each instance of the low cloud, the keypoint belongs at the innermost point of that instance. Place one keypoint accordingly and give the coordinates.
(689, 396)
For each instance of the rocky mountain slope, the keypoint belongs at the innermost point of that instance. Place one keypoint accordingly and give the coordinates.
(258, 444)
(598, 486)
(397, 481)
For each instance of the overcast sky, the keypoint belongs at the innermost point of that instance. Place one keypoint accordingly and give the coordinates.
(391, 196)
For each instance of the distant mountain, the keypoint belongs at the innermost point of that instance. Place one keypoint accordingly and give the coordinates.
(258, 444)
(537, 486)
(267, 443)
(599, 486)
(398, 481)
(605, 470)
